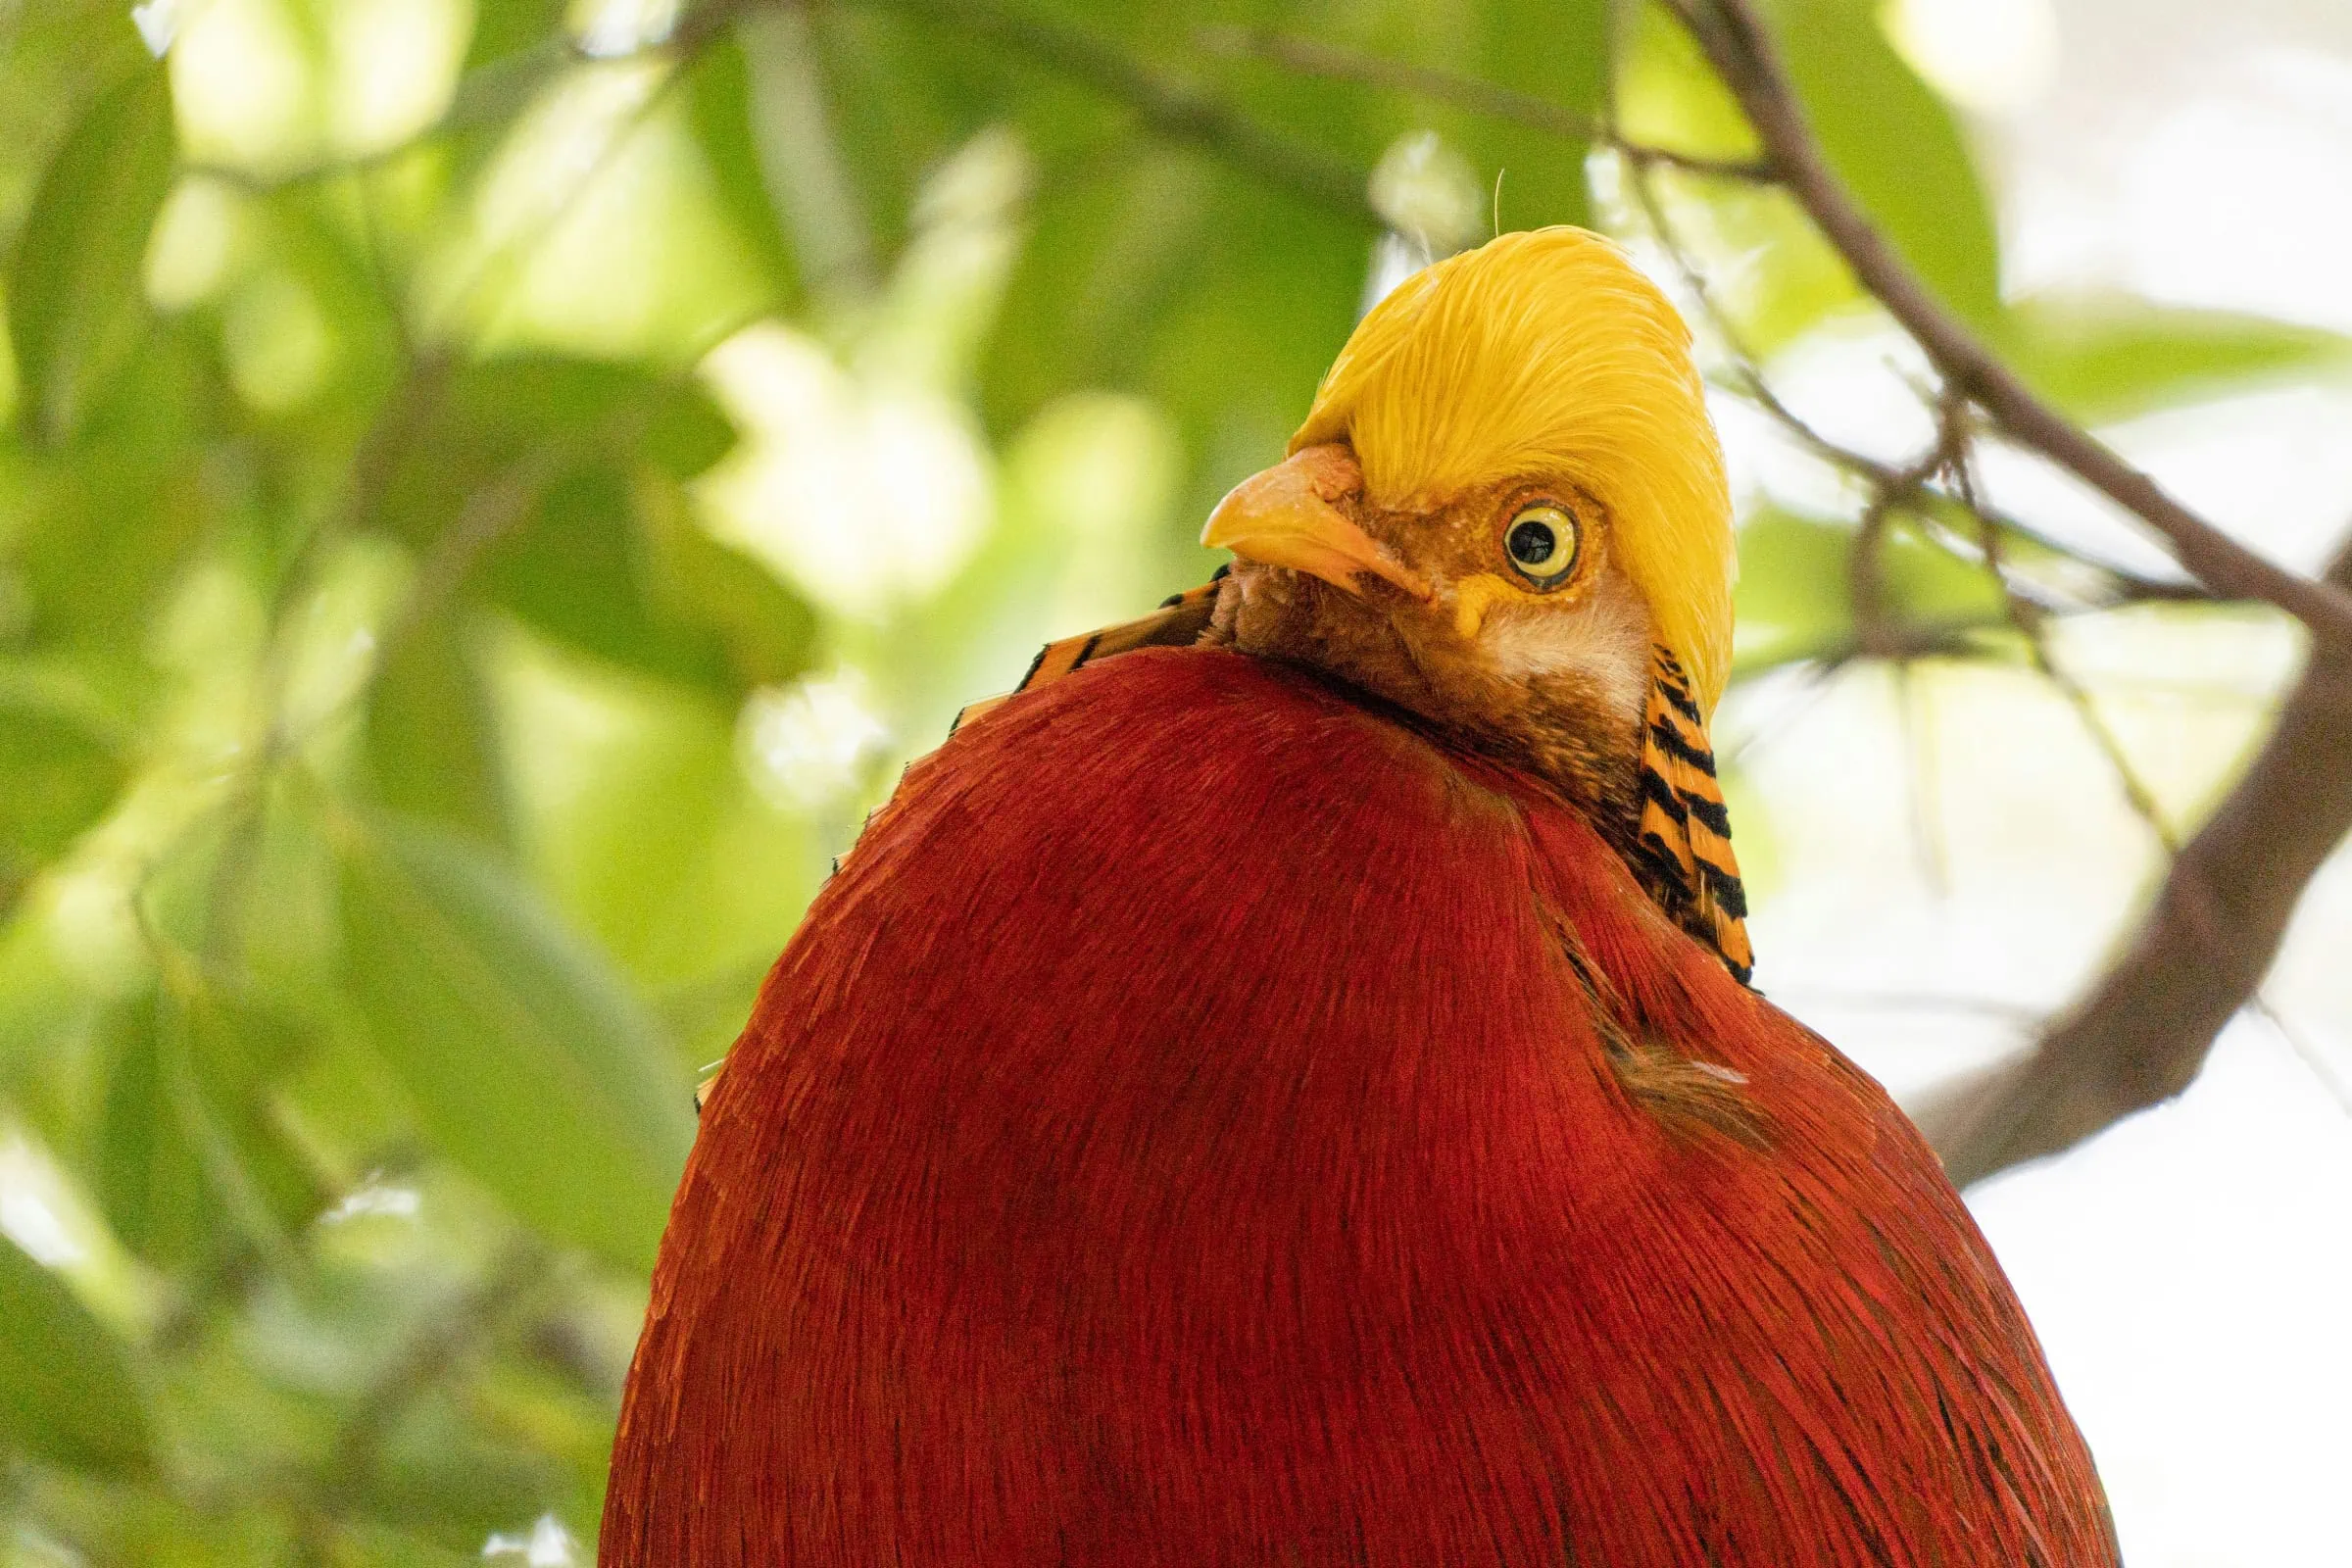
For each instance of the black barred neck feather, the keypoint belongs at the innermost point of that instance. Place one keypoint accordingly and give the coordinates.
(1683, 848)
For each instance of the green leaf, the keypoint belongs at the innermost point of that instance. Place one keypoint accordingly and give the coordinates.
(1794, 599)
(238, 1052)
(311, 244)
(111, 521)
(59, 772)
(1155, 265)
(149, 1179)
(605, 559)
(1896, 147)
(685, 431)
(73, 282)
(365, 1543)
(719, 109)
(58, 55)
(2110, 357)
(432, 738)
(1169, 277)
(577, 414)
(708, 1014)
(1556, 53)
(615, 568)
(48, 1009)
(186, 1153)
(1108, 256)
(760, 630)
(1884, 134)
(504, 28)
(897, 93)
(1559, 53)
(438, 1479)
(572, 571)
(520, 48)
(529, 1063)
(1667, 95)
(66, 1391)
(652, 860)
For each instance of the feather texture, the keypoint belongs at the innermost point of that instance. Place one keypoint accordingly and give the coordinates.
(1208, 1122)
(1549, 354)
(1682, 853)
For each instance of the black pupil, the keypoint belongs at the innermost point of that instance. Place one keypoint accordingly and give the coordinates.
(1533, 544)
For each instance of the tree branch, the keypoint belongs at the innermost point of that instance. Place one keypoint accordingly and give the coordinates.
(2145, 1030)
(2147, 1027)
(1743, 56)
(1908, 485)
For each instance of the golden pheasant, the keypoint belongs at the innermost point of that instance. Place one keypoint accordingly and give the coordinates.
(1282, 1087)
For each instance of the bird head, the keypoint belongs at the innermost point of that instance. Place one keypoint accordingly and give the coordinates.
(1506, 513)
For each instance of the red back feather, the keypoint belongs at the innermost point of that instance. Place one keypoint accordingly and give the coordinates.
(1190, 1131)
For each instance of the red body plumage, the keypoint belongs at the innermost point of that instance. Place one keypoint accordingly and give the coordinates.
(1178, 1136)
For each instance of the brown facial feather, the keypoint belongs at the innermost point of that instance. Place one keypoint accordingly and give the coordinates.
(1551, 681)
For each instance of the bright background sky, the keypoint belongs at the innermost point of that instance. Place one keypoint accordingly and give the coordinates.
(2191, 1270)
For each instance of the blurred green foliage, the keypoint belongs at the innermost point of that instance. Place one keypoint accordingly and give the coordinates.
(488, 495)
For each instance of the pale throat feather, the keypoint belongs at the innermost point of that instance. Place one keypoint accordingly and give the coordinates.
(1605, 641)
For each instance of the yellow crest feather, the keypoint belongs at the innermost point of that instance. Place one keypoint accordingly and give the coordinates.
(1547, 354)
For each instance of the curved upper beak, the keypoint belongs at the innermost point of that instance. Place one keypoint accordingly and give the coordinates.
(1285, 517)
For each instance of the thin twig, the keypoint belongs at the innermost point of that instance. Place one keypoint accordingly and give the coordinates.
(2119, 585)
(1897, 491)
(1307, 57)
(387, 442)
(2143, 1031)
(2136, 793)
(439, 1348)
(2030, 622)
(2315, 1062)
(1745, 58)
(1649, 155)
(488, 517)
(380, 450)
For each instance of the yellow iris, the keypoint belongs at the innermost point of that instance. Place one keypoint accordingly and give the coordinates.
(1541, 542)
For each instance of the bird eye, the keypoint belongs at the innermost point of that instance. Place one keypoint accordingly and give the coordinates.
(1541, 541)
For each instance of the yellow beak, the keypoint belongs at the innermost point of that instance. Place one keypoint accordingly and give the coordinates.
(1285, 517)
